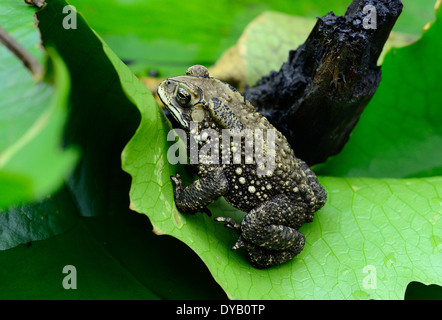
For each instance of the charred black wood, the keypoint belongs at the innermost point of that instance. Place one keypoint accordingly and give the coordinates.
(318, 95)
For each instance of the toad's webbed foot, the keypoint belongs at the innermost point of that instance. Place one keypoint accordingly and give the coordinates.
(229, 223)
(232, 224)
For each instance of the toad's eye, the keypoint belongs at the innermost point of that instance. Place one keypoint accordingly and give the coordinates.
(182, 97)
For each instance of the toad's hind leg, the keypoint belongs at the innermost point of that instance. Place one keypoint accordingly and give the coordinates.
(261, 258)
(270, 236)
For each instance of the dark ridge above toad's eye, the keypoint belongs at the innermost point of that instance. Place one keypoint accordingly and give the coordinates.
(183, 97)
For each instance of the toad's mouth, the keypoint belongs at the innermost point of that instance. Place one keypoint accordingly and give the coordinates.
(166, 92)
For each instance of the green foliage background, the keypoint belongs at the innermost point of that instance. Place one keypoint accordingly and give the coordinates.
(384, 190)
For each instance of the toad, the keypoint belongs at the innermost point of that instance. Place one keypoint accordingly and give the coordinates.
(278, 197)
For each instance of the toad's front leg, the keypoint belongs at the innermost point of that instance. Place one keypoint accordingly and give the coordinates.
(202, 192)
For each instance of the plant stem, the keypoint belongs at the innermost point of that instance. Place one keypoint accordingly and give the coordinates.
(20, 52)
